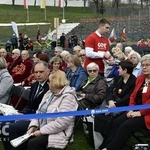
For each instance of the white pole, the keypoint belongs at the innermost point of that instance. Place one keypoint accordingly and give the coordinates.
(45, 13)
(28, 15)
(63, 10)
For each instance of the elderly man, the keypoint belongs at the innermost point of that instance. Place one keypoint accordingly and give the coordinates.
(16, 60)
(38, 89)
(22, 71)
(3, 53)
(58, 51)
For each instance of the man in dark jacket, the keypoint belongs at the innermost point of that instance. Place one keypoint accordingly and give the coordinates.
(14, 41)
(38, 89)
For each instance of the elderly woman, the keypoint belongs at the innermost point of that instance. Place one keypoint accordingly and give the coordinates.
(82, 56)
(93, 89)
(6, 81)
(75, 73)
(133, 121)
(53, 132)
(127, 50)
(135, 58)
(64, 55)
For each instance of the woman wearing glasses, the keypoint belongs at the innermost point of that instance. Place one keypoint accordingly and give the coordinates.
(133, 121)
(82, 56)
(93, 89)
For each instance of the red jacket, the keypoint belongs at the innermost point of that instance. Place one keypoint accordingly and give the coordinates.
(145, 99)
(22, 71)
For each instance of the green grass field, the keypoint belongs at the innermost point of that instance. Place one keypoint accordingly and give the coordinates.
(36, 15)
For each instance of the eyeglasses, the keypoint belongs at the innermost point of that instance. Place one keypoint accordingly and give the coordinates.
(145, 65)
(90, 71)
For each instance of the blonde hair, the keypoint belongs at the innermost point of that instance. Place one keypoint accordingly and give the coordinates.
(58, 79)
(145, 58)
(75, 60)
(119, 54)
(115, 49)
(55, 59)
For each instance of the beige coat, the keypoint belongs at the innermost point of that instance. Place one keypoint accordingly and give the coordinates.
(59, 129)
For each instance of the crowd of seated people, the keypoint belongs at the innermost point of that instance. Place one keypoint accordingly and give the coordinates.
(87, 82)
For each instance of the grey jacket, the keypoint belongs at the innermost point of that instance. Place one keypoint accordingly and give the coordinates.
(6, 83)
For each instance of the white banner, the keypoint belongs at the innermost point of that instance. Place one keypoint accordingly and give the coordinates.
(15, 28)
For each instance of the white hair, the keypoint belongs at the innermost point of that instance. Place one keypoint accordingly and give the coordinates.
(91, 65)
(136, 54)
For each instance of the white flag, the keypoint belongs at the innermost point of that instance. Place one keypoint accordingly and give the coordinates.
(112, 36)
(15, 28)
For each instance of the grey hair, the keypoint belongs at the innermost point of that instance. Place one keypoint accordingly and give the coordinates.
(82, 51)
(17, 51)
(58, 48)
(136, 54)
(65, 53)
(77, 48)
(91, 65)
(145, 58)
(3, 63)
(43, 62)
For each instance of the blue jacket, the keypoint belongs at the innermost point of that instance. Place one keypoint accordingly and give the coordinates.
(114, 72)
(77, 78)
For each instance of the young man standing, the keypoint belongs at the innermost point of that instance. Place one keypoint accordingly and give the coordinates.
(97, 46)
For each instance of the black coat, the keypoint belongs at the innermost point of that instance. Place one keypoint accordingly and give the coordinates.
(34, 101)
(94, 92)
(121, 94)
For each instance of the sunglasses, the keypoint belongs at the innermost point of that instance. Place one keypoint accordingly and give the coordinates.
(90, 71)
(82, 55)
